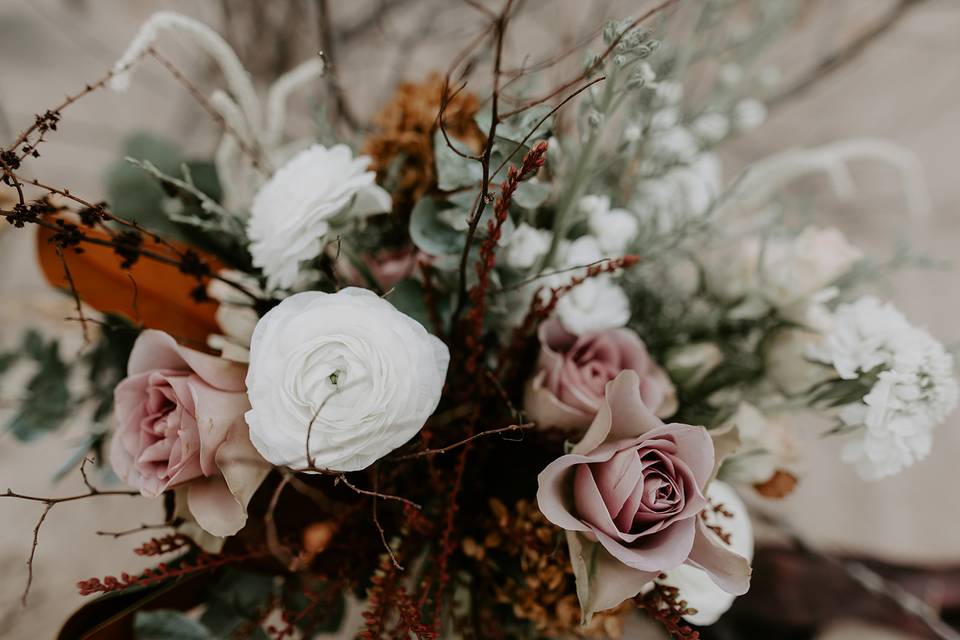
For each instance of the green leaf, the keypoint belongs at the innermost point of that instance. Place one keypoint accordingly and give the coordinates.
(430, 232)
(46, 402)
(453, 170)
(136, 195)
(168, 625)
(407, 297)
(531, 194)
(235, 600)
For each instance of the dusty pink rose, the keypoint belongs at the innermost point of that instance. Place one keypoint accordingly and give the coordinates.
(630, 495)
(387, 267)
(180, 423)
(573, 371)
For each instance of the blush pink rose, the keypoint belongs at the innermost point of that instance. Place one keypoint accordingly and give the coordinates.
(179, 423)
(572, 372)
(387, 267)
(629, 496)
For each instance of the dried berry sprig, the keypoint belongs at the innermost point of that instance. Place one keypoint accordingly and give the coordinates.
(664, 604)
(202, 562)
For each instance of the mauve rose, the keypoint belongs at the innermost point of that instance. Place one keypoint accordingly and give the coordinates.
(630, 495)
(180, 423)
(572, 372)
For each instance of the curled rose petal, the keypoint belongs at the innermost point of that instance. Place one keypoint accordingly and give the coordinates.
(630, 496)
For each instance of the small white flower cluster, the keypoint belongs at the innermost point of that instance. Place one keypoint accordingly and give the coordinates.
(915, 388)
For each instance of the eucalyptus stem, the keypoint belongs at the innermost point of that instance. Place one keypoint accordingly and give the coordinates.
(581, 174)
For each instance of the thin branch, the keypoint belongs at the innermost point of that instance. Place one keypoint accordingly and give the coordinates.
(376, 522)
(255, 153)
(456, 445)
(342, 108)
(366, 492)
(143, 527)
(593, 66)
(69, 100)
(500, 26)
(80, 316)
(845, 54)
(48, 504)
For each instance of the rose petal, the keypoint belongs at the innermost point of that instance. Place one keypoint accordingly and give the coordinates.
(728, 570)
(602, 581)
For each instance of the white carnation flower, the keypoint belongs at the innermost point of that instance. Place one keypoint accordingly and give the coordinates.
(711, 126)
(683, 192)
(596, 304)
(344, 371)
(914, 392)
(749, 114)
(293, 214)
(526, 246)
(614, 229)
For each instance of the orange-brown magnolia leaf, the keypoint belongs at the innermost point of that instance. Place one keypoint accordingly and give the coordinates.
(151, 294)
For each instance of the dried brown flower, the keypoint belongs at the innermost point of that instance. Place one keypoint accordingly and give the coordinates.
(402, 146)
(780, 485)
(544, 593)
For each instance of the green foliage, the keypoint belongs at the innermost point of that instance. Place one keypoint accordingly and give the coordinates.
(237, 600)
(430, 232)
(46, 401)
(156, 186)
(453, 170)
(168, 625)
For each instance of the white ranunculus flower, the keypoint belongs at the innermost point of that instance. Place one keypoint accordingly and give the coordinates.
(596, 304)
(293, 213)
(526, 246)
(694, 584)
(365, 375)
(766, 446)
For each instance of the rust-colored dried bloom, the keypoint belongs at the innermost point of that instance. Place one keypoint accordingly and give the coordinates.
(545, 595)
(402, 146)
(780, 485)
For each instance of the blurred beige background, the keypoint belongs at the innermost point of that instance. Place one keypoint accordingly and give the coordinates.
(905, 88)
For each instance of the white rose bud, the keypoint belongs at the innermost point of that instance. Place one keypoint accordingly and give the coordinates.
(294, 211)
(347, 368)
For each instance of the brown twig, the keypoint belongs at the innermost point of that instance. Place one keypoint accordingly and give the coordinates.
(846, 54)
(376, 522)
(500, 27)
(593, 66)
(79, 305)
(366, 492)
(143, 527)
(342, 110)
(48, 504)
(456, 445)
(255, 153)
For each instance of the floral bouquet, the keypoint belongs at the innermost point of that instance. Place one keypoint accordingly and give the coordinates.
(493, 365)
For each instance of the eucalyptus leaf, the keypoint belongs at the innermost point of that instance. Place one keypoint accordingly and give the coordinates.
(235, 600)
(531, 194)
(430, 232)
(165, 624)
(454, 170)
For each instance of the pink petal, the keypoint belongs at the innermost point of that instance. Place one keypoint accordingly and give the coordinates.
(554, 487)
(547, 411)
(661, 551)
(602, 581)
